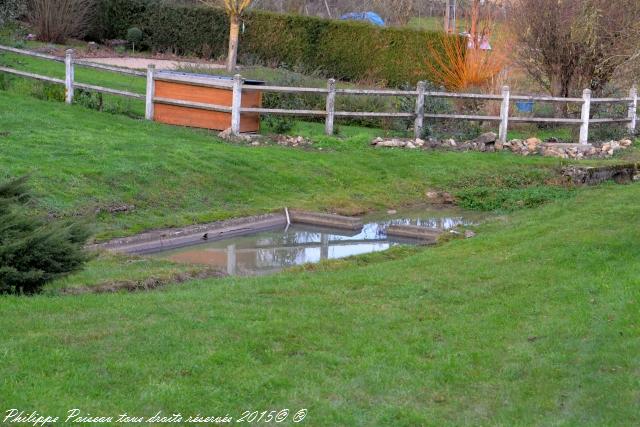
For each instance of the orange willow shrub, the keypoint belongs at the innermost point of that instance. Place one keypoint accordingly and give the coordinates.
(458, 68)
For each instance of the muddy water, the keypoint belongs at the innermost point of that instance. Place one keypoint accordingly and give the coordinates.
(271, 251)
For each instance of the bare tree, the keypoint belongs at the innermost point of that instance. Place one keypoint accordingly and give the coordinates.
(394, 11)
(567, 45)
(235, 9)
(397, 12)
(628, 74)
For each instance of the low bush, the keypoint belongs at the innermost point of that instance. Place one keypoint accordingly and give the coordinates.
(55, 21)
(607, 131)
(603, 132)
(34, 251)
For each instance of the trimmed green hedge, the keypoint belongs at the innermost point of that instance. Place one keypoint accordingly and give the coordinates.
(340, 49)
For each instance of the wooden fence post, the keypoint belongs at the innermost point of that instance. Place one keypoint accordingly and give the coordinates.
(232, 260)
(418, 126)
(586, 112)
(331, 106)
(69, 76)
(633, 109)
(151, 90)
(236, 105)
(504, 115)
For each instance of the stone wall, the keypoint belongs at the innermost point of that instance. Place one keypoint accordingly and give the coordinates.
(589, 175)
(488, 142)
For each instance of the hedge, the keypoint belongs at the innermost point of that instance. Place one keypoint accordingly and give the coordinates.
(345, 50)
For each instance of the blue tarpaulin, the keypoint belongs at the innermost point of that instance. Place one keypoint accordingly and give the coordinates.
(371, 17)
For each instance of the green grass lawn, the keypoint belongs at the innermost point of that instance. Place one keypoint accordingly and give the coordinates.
(533, 322)
(82, 162)
(107, 269)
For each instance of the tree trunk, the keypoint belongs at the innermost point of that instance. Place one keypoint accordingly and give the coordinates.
(447, 17)
(475, 16)
(328, 9)
(234, 33)
(560, 89)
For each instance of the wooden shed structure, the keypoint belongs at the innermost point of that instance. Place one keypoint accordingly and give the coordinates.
(174, 89)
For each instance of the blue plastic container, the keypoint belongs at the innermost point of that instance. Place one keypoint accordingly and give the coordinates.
(525, 106)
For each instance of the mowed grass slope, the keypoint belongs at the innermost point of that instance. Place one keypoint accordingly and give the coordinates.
(82, 161)
(533, 322)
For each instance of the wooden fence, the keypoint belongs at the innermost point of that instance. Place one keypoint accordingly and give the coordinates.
(331, 92)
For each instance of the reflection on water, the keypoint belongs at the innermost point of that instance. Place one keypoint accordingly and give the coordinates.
(271, 251)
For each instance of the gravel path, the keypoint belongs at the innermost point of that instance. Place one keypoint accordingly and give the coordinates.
(161, 64)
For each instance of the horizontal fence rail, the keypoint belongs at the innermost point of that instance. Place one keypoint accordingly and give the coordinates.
(101, 89)
(31, 53)
(544, 99)
(111, 68)
(286, 89)
(80, 62)
(545, 120)
(69, 82)
(191, 104)
(420, 94)
(31, 75)
(331, 92)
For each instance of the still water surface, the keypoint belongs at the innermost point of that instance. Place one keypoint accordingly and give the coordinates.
(271, 251)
